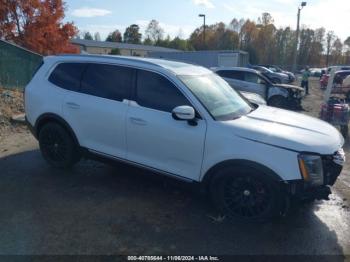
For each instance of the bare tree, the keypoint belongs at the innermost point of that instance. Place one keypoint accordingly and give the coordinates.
(154, 32)
(329, 38)
(97, 36)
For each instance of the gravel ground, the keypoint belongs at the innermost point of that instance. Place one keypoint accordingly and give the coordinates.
(11, 103)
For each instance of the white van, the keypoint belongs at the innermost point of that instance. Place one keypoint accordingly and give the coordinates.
(182, 121)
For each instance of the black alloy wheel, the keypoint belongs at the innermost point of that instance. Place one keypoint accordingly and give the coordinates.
(246, 197)
(57, 146)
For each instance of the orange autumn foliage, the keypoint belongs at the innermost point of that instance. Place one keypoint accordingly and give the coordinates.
(37, 25)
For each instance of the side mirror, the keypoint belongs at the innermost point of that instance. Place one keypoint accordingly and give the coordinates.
(185, 113)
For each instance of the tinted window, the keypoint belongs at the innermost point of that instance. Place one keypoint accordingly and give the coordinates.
(107, 81)
(251, 77)
(230, 74)
(67, 75)
(156, 92)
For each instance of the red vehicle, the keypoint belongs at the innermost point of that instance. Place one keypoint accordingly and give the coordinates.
(325, 77)
(324, 81)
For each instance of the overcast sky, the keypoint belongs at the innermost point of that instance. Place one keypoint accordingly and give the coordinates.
(180, 17)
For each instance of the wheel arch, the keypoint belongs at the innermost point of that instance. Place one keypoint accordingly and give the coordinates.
(209, 175)
(51, 117)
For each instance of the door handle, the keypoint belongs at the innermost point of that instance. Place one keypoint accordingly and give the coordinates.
(138, 121)
(73, 105)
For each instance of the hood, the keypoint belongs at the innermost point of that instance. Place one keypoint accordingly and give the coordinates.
(289, 130)
(254, 98)
(281, 75)
(289, 87)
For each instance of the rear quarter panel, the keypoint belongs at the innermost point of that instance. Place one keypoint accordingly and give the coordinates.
(41, 96)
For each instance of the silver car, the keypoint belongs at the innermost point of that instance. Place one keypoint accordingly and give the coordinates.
(250, 80)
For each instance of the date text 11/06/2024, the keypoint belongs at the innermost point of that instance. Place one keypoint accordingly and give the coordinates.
(173, 258)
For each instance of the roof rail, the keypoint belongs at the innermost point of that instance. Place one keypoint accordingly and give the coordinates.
(113, 57)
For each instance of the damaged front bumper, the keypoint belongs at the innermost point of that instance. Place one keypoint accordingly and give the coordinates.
(332, 167)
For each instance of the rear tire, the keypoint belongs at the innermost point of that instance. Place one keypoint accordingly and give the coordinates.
(278, 101)
(57, 146)
(246, 195)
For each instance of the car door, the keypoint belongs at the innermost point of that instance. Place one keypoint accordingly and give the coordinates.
(97, 113)
(154, 138)
(255, 84)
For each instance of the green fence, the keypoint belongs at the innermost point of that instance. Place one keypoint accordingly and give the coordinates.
(17, 65)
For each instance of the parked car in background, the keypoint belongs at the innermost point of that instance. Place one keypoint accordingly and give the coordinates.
(250, 80)
(340, 85)
(325, 77)
(185, 122)
(277, 69)
(316, 72)
(324, 81)
(277, 78)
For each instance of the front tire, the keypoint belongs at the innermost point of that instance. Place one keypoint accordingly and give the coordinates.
(57, 146)
(245, 194)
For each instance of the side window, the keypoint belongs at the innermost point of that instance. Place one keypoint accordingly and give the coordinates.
(231, 74)
(108, 81)
(156, 92)
(67, 75)
(251, 77)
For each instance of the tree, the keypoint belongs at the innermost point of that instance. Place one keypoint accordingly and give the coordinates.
(97, 36)
(347, 50)
(115, 51)
(329, 38)
(37, 25)
(236, 25)
(154, 32)
(147, 41)
(132, 34)
(337, 51)
(265, 37)
(181, 44)
(114, 36)
(265, 19)
(87, 35)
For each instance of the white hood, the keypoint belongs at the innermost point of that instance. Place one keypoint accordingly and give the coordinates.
(287, 129)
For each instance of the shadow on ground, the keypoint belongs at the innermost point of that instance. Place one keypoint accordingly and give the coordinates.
(100, 209)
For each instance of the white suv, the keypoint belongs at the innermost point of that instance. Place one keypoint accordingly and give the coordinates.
(183, 121)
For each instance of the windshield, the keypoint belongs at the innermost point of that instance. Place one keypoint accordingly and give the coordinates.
(217, 96)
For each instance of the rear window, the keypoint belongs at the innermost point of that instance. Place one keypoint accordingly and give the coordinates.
(67, 75)
(231, 74)
(108, 81)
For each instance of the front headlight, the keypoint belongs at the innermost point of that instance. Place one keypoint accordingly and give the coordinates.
(311, 168)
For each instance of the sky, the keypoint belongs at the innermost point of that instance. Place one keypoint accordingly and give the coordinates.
(180, 17)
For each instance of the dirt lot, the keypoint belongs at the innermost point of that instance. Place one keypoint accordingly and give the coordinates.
(100, 209)
(11, 103)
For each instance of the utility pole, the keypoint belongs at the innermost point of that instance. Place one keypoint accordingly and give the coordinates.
(295, 54)
(203, 15)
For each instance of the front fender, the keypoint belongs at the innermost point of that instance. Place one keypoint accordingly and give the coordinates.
(274, 90)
